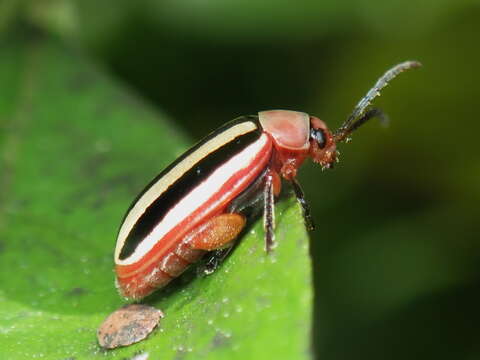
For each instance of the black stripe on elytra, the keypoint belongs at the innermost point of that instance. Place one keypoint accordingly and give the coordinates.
(184, 184)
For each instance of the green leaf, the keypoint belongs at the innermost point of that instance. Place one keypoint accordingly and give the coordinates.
(75, 148)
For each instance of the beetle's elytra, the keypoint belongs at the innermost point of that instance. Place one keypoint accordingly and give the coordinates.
(198, 203)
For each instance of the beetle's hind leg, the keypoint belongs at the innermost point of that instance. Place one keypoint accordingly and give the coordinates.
(218, 236)
(215, 258)
(217, 232)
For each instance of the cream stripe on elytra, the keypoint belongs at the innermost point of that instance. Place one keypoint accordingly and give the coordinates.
(176, 172)
(196, 198)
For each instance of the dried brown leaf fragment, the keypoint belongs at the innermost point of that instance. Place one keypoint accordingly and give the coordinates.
(128, 325)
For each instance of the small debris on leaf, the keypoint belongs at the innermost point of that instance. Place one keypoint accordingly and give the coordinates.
(128, 325)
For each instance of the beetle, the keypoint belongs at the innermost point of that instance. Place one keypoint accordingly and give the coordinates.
(200, 202)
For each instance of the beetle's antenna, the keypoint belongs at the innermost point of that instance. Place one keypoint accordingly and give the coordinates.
(360, 115)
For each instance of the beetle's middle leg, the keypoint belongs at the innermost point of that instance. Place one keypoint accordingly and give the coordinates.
(269, 213)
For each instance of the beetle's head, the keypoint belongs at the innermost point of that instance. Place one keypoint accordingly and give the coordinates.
(323, 149)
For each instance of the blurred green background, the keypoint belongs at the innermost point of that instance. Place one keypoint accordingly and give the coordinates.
(396, 252)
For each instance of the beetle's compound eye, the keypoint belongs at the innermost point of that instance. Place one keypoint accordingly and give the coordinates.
(319, 136)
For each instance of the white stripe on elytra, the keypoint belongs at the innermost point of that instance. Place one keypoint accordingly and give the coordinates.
(168, 179)
(192, 201)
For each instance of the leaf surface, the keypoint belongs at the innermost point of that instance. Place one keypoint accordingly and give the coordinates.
(75, 148)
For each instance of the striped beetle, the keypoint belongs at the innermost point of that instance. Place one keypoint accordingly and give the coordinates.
(198, 203)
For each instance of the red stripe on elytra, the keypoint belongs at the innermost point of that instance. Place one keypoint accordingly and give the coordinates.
(220, 199)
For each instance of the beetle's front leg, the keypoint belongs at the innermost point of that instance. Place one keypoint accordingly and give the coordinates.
(307, 216)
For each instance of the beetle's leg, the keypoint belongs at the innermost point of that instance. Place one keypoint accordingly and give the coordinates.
(218, 236)
(307, 216)
(215, 258)
(217, 233)
(269, 212)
